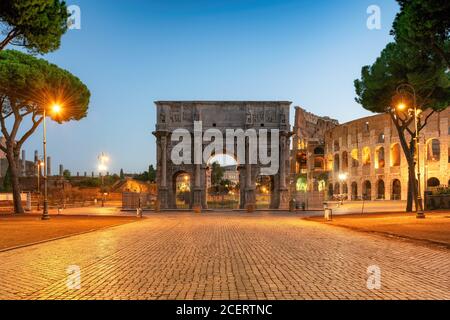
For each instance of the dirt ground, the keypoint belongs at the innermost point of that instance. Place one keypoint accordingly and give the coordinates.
(435, 228)
(22, 230)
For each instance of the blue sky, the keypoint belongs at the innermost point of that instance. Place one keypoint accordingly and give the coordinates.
(131, 53)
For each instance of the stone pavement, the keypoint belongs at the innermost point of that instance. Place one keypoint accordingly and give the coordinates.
(225, 256)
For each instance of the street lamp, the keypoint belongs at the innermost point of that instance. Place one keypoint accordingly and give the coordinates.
(55, 109)
(102, 167)
(409, 89)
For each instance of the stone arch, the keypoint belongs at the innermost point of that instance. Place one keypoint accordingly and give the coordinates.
(337, 189)
(226, 193)
(396, 190)
(345, 191)
(182, 189)
(366, 157)
(367, 190)
(330, 191)
(354, 191)
(395, 155)
(336, 146)
(355, 158)
(319, 162)
(319, 151)
(381, 190)
(336, 163)
(221, 116)
(265, 188)
(379, 158)
(345, 161)
(433, 182)
(433, 150)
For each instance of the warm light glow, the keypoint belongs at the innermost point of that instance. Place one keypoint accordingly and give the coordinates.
(401, 107)
(56, 108)
(102, 167)
(343, 177)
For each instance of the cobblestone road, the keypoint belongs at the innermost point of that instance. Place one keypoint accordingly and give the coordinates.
(222, 256)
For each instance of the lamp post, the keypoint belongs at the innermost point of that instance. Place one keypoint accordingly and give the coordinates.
(102, 167)
(40, 164)
(56, 109)
(409, 89)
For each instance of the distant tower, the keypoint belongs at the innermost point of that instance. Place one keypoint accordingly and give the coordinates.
(36, 156)
(61, 170)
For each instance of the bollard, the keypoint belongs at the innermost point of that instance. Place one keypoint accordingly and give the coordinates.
(197, 209)
(139, 212)
(28, 208)
(292, 205)
(328, 214)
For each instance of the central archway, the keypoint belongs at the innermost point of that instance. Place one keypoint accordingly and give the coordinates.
(183, 190)
(222, 180)
(264, 192)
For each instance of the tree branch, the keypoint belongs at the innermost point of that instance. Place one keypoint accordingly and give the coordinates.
(426, 120)
(11, 35)
(36, 124)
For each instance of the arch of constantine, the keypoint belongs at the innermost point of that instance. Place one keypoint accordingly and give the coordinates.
(221, 115)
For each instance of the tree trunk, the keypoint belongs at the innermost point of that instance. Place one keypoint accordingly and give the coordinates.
(412, 188)
(12, 161)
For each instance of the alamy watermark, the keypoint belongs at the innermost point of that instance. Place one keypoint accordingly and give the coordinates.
(374, 280)
(74, 21)
(73, 281)
(374, 19)
(237, 141)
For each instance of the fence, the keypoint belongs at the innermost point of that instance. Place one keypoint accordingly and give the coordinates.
(133, 201)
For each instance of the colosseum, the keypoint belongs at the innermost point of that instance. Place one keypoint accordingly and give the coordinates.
(363, 159)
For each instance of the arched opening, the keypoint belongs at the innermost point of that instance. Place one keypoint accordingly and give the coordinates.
(355, 158)
(222, 181)
(319, 151)
(264, 191)
(379, 160)
(337, 165)
(381, 190)
(330, 191)
(344, 191)
(381, 138)
(433, 183)
(366, 159)
(336, 146)
(354, 191)
(319, 163)
(302, 162)
(367, 190)
(183, 188)
(434, 150)
(396, 190)
(337, 189)
(345, 161)
(395, 155)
